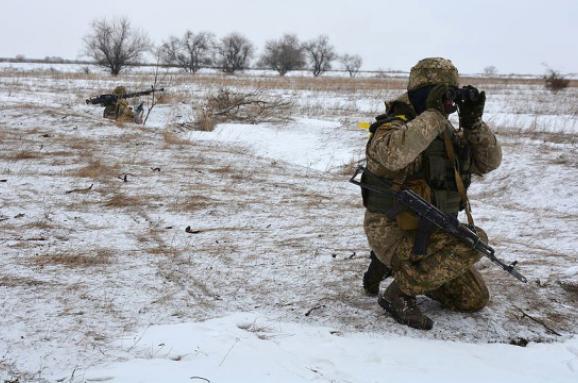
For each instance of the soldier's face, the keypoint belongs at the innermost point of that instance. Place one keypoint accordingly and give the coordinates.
(450, 106)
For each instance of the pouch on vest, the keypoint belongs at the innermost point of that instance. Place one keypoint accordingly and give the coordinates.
(409, 221)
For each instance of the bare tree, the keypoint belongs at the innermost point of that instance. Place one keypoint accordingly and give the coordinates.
(199, 49)
(234, 52)
(171, 51)
(320, 54)
(192, 52)
(351, 63)
(554, 81)
(114, 44)
(283, 55)
(490, 71)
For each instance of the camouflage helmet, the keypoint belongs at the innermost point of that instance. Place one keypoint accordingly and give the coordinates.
(431, 71)
(119, 91)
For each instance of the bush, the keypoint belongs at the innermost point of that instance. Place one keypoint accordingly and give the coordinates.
(283, 55)
(555, 82)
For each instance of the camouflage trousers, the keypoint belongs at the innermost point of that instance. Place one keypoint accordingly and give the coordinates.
(445, 274)
(122, 112)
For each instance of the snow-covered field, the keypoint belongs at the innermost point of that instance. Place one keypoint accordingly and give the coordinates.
(99, 281)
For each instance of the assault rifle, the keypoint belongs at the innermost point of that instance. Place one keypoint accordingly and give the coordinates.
(431, 216)
(111, 99)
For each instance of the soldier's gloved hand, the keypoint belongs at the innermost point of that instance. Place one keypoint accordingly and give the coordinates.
(470, 111)
(436, 98)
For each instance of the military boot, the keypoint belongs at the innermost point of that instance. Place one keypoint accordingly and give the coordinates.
(376, 272)
(403, 308)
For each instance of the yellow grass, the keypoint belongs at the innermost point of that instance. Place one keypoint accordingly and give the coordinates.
(100, 257)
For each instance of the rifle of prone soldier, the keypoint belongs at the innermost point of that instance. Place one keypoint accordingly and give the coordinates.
(111, 99)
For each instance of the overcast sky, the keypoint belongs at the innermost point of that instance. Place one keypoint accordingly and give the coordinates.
(513, 35)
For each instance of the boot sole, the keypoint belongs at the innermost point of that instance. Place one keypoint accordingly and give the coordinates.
(387, 307)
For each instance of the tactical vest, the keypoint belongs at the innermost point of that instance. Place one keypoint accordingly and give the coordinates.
(438, 173)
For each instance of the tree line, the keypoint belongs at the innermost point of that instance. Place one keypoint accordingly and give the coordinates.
(115, 44)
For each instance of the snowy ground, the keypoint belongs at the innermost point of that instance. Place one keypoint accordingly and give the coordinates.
(103, 283)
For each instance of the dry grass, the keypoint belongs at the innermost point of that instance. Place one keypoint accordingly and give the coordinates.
(171, 138)
(13, 281)
(80, 143)
(97, 258)
(123, 200)
(191, 203)
(96, 170)
(163, 250)
(24, 155)
(34, 155)
(204, 121)
(41, 224)
(348, 168)
(171, 98)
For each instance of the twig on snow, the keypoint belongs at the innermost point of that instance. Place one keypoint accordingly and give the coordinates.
(525, 314)
(81, 190)
(228, 352)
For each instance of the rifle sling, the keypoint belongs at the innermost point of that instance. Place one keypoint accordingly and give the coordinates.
(459, 181)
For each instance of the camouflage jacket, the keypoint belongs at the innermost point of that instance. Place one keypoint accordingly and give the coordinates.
(121, 111)
(396, 150)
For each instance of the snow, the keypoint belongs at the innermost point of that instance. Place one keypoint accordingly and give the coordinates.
(268, 288)
(249, 347)
(309, 143)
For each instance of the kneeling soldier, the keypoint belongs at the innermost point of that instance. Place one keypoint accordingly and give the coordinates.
(414, 145)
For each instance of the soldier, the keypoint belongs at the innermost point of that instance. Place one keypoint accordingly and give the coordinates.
(121, 110)
(416, 146)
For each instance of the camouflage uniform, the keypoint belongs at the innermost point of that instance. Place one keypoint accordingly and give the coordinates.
(121, 110)
(396, 151)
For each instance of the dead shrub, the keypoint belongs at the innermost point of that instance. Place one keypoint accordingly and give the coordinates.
(100, 257)
(252, 107)
(555, 82)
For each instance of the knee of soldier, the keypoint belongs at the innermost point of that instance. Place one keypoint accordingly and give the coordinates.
(476, 301)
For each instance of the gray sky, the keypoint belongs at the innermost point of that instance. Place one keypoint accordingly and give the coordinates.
(515, 36)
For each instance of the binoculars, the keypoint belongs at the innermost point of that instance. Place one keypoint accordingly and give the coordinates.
(467, 93)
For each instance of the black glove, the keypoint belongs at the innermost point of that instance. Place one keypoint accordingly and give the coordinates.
(471, 110)
(436, 98)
